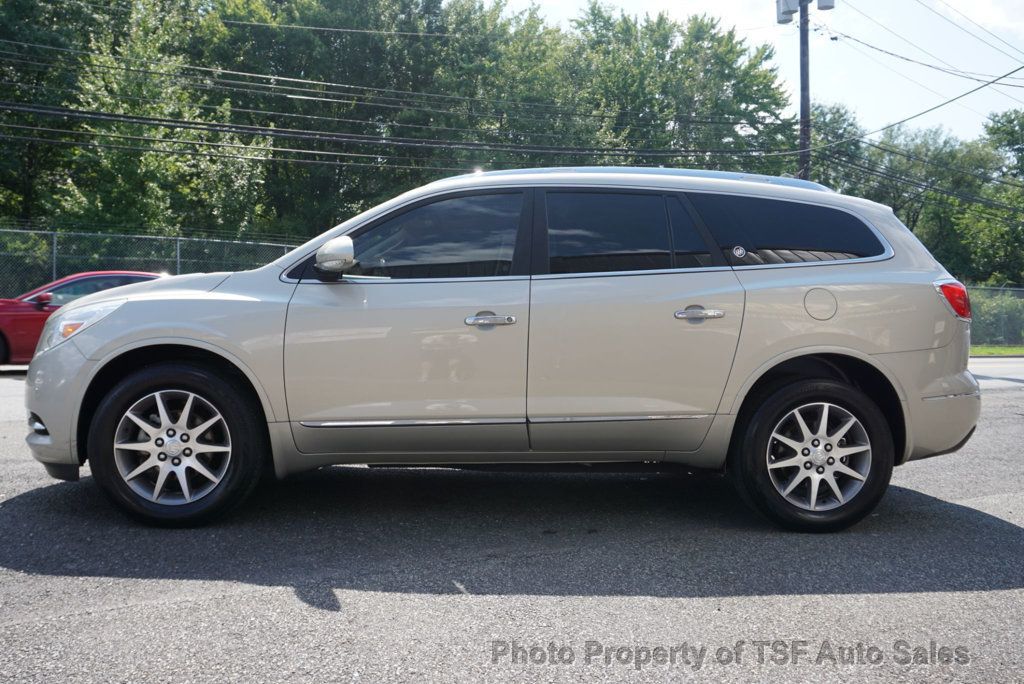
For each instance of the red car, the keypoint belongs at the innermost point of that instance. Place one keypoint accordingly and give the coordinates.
(22, 318)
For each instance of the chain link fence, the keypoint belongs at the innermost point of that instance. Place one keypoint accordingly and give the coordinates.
(29, 258)
(997, 315)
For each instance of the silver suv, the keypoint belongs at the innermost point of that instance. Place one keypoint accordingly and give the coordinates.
(802, 341)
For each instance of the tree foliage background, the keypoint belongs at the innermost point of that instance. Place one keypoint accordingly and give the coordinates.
(219, 117)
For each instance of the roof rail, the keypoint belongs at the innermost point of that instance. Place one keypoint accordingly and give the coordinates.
(659, 171)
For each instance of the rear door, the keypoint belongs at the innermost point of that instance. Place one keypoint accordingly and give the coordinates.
(634, 323)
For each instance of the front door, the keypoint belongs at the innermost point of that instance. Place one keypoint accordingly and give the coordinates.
(422, 346)
(634, 328)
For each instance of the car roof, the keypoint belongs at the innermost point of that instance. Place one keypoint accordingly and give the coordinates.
(658, 172)
(84, 274)
(677, 180)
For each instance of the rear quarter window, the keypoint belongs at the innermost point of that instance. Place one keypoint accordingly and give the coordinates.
(754, 231)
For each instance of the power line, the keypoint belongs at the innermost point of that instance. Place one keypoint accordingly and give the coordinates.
(952, 72)
(336, 29)
(867, 166)
(245, 129)
(921, 113)
(1010, 45)
(78, 143)
(310, 117)
(349, 86)
(947, 167)
(191, 80)
(902, 75)
(942, 16)
(206, 143)
(916, 46)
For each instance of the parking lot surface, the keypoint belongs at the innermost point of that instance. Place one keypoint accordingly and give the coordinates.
(356, 574)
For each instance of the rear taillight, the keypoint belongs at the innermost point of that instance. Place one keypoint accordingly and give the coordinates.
(955, 294)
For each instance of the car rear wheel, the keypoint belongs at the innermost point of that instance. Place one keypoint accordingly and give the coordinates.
(815, 455)
(177, 444)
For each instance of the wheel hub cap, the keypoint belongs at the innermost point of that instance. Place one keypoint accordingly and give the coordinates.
(172, 447)
(822, 468)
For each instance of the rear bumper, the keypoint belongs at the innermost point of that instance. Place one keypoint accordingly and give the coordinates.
(943, 424)
(941, 399)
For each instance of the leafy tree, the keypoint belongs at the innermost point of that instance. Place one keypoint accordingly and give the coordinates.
(127, 177)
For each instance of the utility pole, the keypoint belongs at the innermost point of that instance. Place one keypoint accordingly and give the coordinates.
(805, 97)
(784, 11)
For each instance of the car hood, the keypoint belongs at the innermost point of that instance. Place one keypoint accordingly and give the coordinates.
(189, 283)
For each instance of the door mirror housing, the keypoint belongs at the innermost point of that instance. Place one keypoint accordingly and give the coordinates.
(43, 300)
(336, 256)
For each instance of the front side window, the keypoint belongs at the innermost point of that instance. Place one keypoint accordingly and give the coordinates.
(592, 232)
(458, 237)
(757, 231)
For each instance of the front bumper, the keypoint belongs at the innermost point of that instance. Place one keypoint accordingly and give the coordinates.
(53, 387)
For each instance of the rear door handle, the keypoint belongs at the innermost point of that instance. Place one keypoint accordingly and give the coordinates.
(699, 313)
(490, 319)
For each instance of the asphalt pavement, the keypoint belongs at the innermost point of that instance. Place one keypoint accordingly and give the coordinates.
(357, 574)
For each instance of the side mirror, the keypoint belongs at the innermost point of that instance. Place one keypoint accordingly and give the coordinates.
(43, 300)
(336, 256)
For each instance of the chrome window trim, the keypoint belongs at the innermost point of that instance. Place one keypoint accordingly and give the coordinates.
(615, 419)
(364, 280)
(887, 250)
(884, 256)
(495, 421)
(435, 196)
(540, 184)
(616, 274)
(410, 423)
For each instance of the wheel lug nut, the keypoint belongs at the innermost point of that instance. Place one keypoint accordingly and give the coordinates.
(188, 452)
(184, 437)
(806, 452)
(170, 433)
(807, 464)
(828, 447)
(161, 456)
(831, 461)
(815, 443)
(821, 469)
(176, 461)
(159, 442)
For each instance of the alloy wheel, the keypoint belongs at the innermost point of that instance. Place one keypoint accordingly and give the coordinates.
(823, 468)
(172, 447)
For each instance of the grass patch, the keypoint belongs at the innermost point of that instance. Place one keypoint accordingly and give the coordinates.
(997, 350)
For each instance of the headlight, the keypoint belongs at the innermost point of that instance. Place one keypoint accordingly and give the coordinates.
(64, 324)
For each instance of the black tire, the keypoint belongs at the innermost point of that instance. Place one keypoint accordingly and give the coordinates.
(241, 415)
(748, 461)
(3, 349)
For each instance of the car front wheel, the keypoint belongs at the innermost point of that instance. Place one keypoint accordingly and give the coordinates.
(815, 455)
(176, 444)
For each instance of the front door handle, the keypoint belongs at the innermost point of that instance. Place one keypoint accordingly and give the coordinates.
(699, 313)
(488, 319)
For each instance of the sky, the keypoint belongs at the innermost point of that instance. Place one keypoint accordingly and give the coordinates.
(881, 89)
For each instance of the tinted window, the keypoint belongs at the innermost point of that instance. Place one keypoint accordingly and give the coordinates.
(778, 232)
(79, 288)
(591, 232)
(460, 237)
(688, 246)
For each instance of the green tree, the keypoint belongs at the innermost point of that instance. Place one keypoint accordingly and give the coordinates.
(151, 178)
